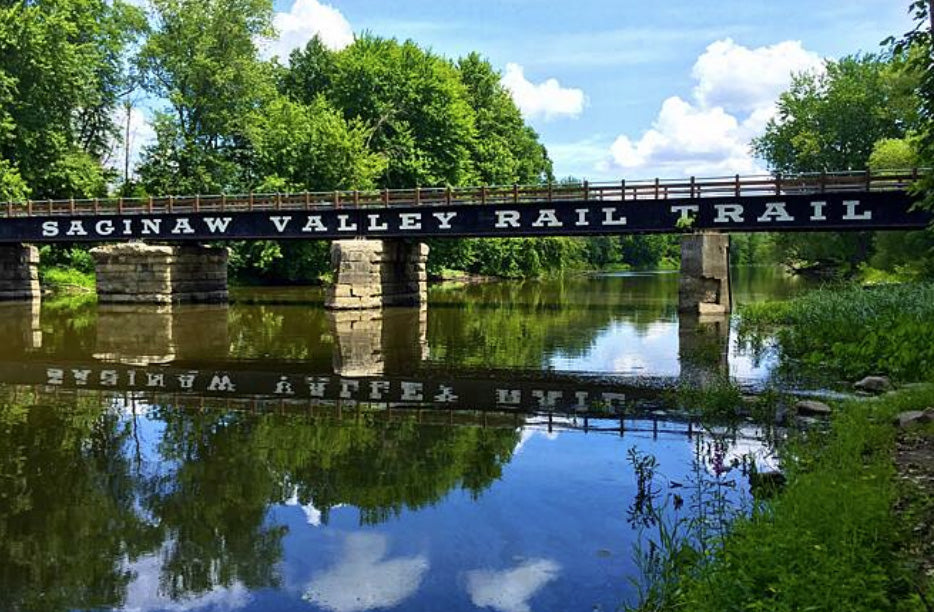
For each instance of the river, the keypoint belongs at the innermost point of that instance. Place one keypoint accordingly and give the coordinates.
(268, 455)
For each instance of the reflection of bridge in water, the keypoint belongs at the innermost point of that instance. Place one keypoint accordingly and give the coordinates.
(184, 352)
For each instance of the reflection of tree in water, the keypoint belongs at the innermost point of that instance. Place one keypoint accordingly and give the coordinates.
(67, 506)
(521, 324)
(77, 510)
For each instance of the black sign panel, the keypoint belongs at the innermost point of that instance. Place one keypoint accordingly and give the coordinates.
(853, 211)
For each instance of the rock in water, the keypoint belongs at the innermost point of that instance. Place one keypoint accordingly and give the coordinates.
(813, 408)
(874, 384)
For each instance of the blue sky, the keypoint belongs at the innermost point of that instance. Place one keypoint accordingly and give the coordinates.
(640, 88)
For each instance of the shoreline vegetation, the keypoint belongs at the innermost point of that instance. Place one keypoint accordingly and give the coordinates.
(850, 526)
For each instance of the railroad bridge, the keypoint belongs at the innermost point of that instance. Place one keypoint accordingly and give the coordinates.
(378, 254)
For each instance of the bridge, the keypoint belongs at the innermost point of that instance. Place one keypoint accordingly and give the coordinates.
(377, 253)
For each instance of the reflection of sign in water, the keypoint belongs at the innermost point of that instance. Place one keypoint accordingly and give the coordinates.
(554, 393)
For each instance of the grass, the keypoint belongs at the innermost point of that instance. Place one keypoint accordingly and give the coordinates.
(830, 541)
(67, 279)
(854, 331)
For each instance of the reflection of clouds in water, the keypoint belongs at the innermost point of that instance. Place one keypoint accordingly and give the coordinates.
(362, 580)
(312, 514)
(144, 592)
(747, 443)
(510, 590)
(526, 434)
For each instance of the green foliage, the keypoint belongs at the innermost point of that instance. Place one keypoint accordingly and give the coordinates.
(828, 541)
(201, 58)
(312, 148)
(831, 122)
(892, 154)
(61, 74)
(854, 331)
(66, 279)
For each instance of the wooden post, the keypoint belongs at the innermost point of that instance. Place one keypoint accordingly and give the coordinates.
(418, 196)
(223, 202)
(149, 204)
(692, 187)
(586, 191)
(356, 198)
(515, 193)
(307, 200)
(278, 201)
(171, 203)
(120, 205)
(656, 187)
(823, 181)
(50, 206)
(622, 188)
(868, 179)
(778, 184)
(551, 191)
(29, 207)
(483, 194)
(447, 195)
(9, 209)
(337, 199)
(386, 196)
(197, 202)
(737, 189)
(71, 205)
(250, 204)
(97, 206)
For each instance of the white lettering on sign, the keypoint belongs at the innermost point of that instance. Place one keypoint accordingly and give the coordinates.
(104, 228)
(375, 225)
(547, 399)
(547, 218)
(851, 215)
(775, 211)
(284, 387)
(183, 226)
(109, 378)
(76, 229)
(343, 224)
(217, 224)
(152, 226)
(728, 213)
(582, 214)
(410, 221)
(50, 229)
(280, 222)
(817, 209)
(81, 376)
(444, 219)
(187, 381)
(314, 224)
(507, 218)
(446, 395)
(610, 218)
(316, 386)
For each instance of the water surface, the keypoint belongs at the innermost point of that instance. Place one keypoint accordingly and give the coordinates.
(268, 455)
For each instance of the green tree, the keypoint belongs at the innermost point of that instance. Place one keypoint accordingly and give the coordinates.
(201, 58)
(62, 71)
(830, 122)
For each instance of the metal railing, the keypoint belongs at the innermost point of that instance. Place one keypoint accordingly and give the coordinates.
(639, 190)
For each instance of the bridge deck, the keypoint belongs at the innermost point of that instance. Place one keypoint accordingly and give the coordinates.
(642, 190)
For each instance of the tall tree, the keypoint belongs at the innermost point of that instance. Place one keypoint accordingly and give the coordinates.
(62, 71)
(201, 57)
(830, 122)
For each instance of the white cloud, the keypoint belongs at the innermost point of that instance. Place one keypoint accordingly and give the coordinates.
(510, 590)
(363, 580)
(733, 99)
(546, 100)
(305, 20)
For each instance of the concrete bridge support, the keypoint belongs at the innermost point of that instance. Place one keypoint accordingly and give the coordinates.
(703, 347)
(704, 287)
(137, 273)
(377, 273)
(19, 273)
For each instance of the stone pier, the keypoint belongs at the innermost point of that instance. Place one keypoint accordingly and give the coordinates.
(136, 273)
(369, 342)
(705, 274)
(19, 273)
(377, 273)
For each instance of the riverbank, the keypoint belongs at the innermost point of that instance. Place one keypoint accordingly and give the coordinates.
(851, 530)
